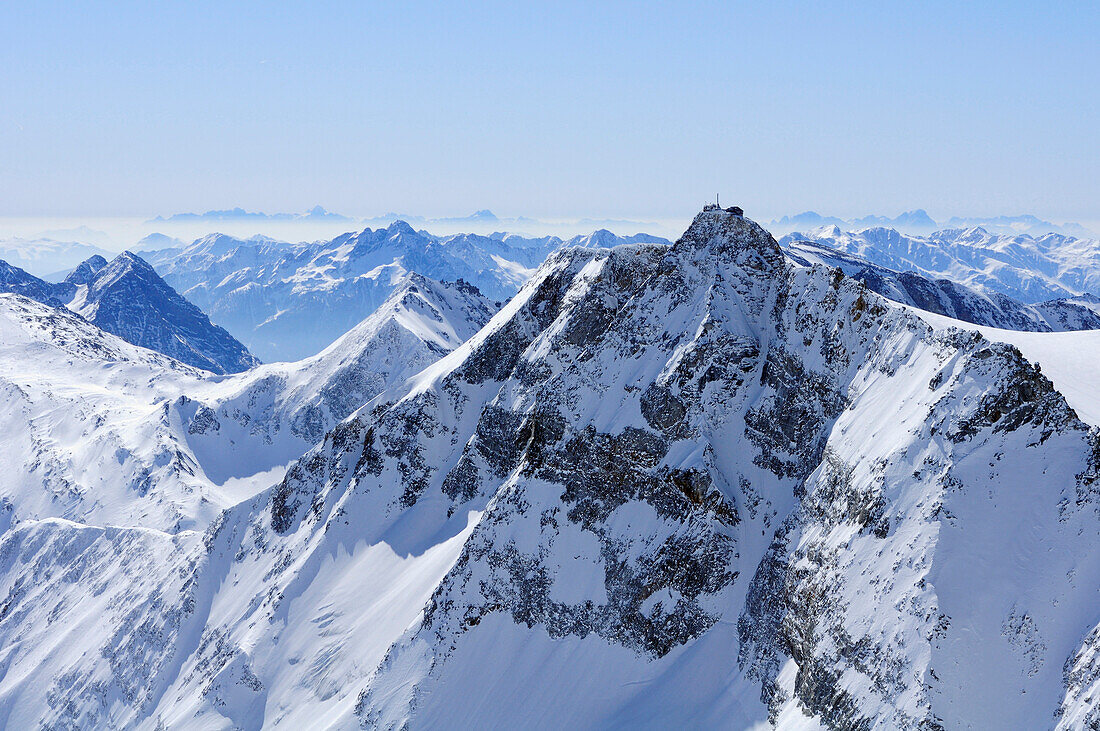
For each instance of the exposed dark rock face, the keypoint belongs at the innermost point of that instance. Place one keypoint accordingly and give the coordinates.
(129, 299)
(87, 271)
(15, 280)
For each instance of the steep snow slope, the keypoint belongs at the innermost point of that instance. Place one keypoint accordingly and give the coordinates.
(86, 435)
(103, 432)
(664, 486)
(1027, 268)
(289, 301)
(1069, 360)
(261, 419)
(947, 298)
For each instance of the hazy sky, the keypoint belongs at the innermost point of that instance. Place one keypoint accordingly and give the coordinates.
(555, 110)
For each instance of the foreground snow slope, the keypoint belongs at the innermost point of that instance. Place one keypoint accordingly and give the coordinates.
(86, 433)
(681, 485)
(101, 431)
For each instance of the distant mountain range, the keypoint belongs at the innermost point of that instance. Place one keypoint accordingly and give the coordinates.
(288, 301)
(947, 298)
(43, 257)
(317, 213)
(482, 221)
(1027, 268)
(919, 222)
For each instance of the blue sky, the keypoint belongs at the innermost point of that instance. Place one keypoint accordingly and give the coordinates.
(550, 110)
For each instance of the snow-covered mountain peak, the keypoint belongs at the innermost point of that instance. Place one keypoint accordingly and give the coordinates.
(732, 239)
(400, 227)
(128, 298)
(126, 264)
(278, 410)
(86, 271)
(442, 315)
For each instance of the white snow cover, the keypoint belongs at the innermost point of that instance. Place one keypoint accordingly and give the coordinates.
(289, 301)
(1070, 360)
(1028, 268)
(665, 486)
(104, 432)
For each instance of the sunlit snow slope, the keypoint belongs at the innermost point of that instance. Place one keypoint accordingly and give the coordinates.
(665, 486)
(104, 432)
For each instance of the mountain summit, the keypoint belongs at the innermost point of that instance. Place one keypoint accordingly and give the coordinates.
(128, 298)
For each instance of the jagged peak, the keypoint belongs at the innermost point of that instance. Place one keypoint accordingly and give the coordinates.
(86, 271)
(719, 231)
(400, 226)
(127, 261)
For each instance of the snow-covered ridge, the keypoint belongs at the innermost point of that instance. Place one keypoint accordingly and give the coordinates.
(126, 297)
(290, 301)
(105, 432)
(1028, 268)
(683, 485)
(944, 297)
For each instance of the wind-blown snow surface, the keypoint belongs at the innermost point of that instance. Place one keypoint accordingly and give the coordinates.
(663, 487)
(1027, 268)
(289, 301)
(100, 431)
(85, 433)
